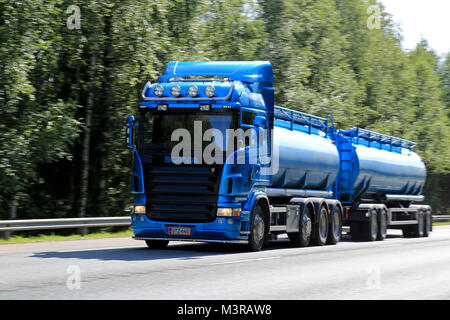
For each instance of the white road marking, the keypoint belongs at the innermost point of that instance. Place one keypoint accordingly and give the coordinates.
(245, 260)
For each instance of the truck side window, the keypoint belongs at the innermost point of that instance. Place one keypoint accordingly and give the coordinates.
(248, 118)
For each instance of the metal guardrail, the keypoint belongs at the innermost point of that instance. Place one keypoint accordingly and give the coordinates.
(441, 218)
(7, 226)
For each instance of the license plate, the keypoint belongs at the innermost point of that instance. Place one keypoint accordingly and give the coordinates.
(180, 231)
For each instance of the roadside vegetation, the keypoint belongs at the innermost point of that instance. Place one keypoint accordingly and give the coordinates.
(69, 79)
(55, 237)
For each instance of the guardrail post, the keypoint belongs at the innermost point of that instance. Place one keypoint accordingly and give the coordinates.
(6, 234)
(83, 231)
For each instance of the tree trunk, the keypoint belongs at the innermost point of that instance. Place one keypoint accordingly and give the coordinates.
(84, 194)
(12, 214)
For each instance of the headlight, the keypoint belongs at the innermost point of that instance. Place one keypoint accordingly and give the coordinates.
(158, 91)
(193, 91)
(228, 212)
(209, 91)
(139, 209)
(175, 91)
(162, 107)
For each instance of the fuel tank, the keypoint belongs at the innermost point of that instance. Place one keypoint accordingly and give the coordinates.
(378, 166)
(381, 172)
(306, 160)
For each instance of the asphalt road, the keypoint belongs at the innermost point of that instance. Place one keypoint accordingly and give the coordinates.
(123, 268)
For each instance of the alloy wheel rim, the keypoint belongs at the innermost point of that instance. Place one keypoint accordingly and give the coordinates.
(336, 224)
(383, 224)
(420, 223)
(306, 227)
(323, 226)
(258, 229)
(374, 225)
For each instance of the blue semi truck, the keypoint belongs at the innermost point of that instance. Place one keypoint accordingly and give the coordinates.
(307, 179)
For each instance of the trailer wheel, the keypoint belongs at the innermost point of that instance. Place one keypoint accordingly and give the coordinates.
(382, 226)
(355, 230)
(321, 227)
(303, 237)
(369, 229)
(157, 244)
(257, 234)
(335, 231)
(428, 224)
(415, 230)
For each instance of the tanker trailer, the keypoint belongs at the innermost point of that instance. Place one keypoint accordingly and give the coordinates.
(379, 177)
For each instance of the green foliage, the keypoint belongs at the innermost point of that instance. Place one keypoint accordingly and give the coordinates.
(325, 59)
(444, 71)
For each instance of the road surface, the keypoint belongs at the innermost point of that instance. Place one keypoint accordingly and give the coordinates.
(123, 268)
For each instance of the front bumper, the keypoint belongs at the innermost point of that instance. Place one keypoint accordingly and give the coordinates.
(193, 240)
(222, 229)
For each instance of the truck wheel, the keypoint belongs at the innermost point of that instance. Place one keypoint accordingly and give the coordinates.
(303, 237)
(256, 236)
(321, 227)
(428, 224)
(157, 244)
(382, 226)
(335, 228)
(415, 230)
(369, 229)
(355, 230)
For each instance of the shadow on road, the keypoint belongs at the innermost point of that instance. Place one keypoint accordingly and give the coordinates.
(173, 251)
(183, 251)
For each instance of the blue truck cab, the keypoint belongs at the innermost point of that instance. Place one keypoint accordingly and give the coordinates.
(215, 160)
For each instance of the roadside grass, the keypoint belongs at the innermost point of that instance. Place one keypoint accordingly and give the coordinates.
(441, 223)
(53, 237)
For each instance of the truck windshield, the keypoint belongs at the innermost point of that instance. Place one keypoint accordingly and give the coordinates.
(155, 129)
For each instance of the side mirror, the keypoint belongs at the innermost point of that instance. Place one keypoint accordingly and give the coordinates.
(129, 132)
(259, 122)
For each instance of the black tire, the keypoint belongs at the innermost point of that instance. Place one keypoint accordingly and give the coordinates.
(257, 234)
(303, 237)
(355, 230)
(335, 227)
(320, 227)
(157, 244)
(382, 226)
(415, 230)
(428, 224)
(407, 232)
(369, 229)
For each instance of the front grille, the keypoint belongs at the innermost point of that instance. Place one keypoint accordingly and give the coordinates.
(181, 193)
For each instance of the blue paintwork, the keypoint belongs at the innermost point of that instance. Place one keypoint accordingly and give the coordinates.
(350, 164)
(376, 168)
(137, 177)
(247, 71)
(208, 231)
(306, 161)
(388, 172)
